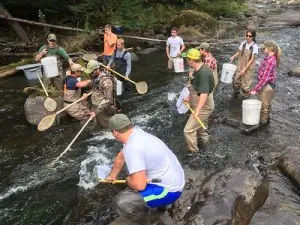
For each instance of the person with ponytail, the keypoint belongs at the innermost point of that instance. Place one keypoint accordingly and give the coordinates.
(267, 78)
(245, 65)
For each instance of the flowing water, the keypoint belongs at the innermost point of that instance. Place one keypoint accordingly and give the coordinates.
(34, 190)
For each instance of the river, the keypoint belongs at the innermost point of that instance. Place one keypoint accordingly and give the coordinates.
(34, 191)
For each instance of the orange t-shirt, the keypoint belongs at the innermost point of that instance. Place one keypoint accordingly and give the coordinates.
(112, 38)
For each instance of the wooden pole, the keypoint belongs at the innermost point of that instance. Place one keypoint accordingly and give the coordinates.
(40, 24)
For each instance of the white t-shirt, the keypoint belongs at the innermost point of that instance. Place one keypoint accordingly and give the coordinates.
(254, 48)
(175, 44)
(144, 151)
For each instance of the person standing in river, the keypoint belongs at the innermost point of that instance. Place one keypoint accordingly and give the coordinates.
(208, 59)
(200, 99)
(146, 158)
(175, 46)
(103, 93)
(245, 65)
(122, 61)
(267, 79)
(110, 40)
(72, 92)
(52, 49)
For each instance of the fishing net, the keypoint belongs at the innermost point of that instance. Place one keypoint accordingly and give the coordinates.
(50, 104)
(141, 87)
(46, 122)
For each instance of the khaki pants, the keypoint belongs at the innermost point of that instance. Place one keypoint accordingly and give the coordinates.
(171, 63)
(265, 95)
(192, 126)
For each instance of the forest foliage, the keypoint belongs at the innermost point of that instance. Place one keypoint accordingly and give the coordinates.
(131, 14)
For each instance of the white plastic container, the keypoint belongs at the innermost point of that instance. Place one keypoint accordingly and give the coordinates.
(251, 111)
(228, 71)
(50, 66)
(178, 65)
(119, 87)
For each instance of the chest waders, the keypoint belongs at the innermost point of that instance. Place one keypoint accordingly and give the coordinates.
(78, 110)
(244, 82)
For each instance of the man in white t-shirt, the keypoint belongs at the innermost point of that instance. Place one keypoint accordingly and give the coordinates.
(174, 47)
(156, 178)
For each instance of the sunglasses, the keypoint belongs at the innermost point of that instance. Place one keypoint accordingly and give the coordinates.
(248, 35)
(52, 40)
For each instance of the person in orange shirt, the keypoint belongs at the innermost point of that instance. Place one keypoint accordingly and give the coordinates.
(110, 40)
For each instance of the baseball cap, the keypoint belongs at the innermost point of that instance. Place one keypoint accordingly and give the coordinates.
(119, 121)
(270, 44)
(204, 45)
(51, 37)
(77, 67)
(192, 53)
(92, 65)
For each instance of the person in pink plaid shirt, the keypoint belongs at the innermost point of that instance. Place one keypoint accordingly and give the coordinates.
(267, 78)
(209, 60)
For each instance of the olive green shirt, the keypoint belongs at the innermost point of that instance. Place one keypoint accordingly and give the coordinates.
(56, 51)
(203, 81)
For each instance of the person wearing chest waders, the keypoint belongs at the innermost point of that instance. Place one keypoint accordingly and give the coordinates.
(103, 93)
(245, 65)
(200, 99)
(267, 79)
(72, 92)
(52, 49)
(122, 60)
(147, 159)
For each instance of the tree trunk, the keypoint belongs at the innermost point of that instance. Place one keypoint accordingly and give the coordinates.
(15, 25)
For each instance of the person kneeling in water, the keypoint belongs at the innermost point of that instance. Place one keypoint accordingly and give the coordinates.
(146, 158)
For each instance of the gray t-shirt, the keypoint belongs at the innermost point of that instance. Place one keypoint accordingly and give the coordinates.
(144, 151)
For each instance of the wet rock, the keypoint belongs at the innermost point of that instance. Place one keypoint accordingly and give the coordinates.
(229, 197)
(294, 72)
(289, 164)
(35, 110)
(282, 205)
(147, 51)
(134, 57)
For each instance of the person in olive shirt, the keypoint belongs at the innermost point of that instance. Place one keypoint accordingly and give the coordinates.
(200, 98)
(52, 49)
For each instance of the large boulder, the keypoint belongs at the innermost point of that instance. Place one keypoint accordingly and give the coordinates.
(294, 72)
(282, 205)
(147, 51)
(289, 164)
(229, 197)
(195, 23)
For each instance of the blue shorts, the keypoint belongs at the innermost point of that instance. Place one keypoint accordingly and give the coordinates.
(157, 196)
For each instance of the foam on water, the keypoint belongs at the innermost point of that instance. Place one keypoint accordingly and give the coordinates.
(101, 136)
(171, 96)
(96, 156)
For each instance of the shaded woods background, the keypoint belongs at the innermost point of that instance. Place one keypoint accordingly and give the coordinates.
(131, 14)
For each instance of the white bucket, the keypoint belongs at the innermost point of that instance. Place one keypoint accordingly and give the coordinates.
(178, 65)
(119, 87)
(228, 71)
(251, 111)
(50, 66)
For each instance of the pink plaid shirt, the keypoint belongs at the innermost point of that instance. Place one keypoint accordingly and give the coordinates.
(210, 61)
(266, 72)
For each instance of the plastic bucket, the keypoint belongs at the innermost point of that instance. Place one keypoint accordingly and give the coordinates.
(50, 66)
(228, 71)
(178, 65)
(251, 111)
(119, 87)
